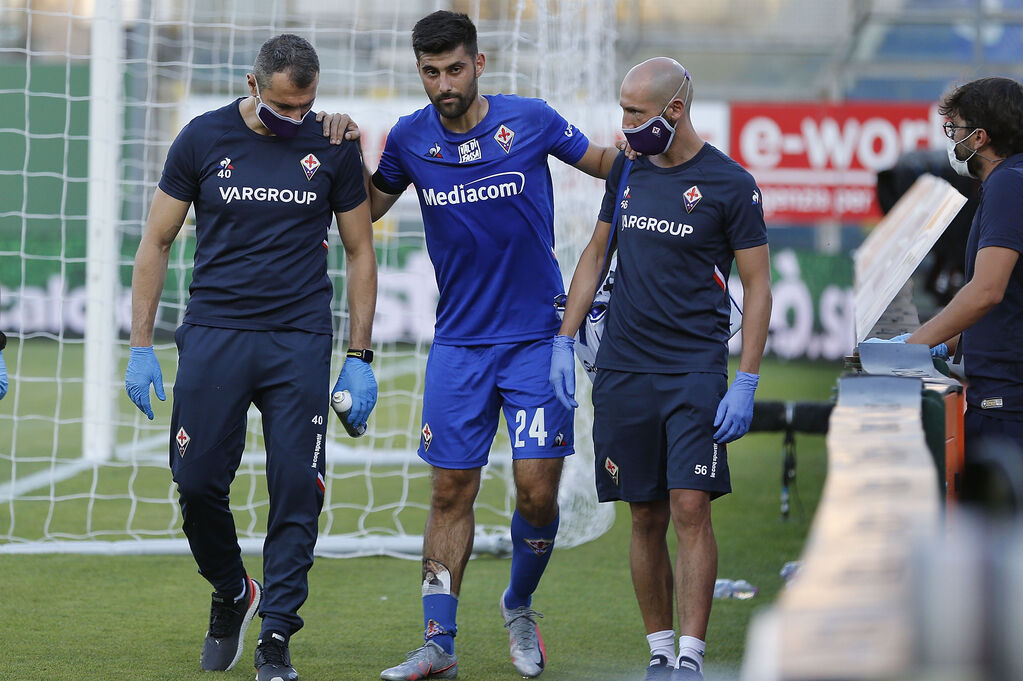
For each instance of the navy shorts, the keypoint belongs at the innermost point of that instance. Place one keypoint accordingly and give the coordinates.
(468, 385)
(982, 428)
(655, 432)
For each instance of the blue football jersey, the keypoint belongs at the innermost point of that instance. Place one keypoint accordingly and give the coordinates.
(677, 233)
(488, 213)
(991, 358)
(263, 205)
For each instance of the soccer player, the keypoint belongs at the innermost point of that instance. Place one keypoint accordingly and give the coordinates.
(985, 141)
(257, 330)
(662, 415)
(479, 166)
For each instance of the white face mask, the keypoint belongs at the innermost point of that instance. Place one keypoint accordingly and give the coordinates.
(961, 166)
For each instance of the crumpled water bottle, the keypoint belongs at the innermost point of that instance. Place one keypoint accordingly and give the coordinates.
(734, 588)
(790, 569)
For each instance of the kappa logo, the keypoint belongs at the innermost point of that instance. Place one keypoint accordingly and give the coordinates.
(310, 164)
(427, 437)
(692, 197)
(612, 469)
(434, 151)
(469, 151)
(504, 137)
(182, 439)
(539, 546)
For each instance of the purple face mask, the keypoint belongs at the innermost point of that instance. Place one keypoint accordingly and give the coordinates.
(654, 136)
(282, 126)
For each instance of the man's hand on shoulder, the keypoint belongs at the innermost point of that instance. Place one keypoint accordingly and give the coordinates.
(338, 127)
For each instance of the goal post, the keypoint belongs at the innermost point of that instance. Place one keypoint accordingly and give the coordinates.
(96, 92)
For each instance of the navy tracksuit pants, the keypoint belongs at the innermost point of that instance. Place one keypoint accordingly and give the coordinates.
(286, 375)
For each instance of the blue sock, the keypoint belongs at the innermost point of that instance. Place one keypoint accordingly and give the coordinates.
(439, 611)
(531, 551)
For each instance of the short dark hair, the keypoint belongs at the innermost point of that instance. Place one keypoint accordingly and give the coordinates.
(995, 104)
(444, 31)
(288, 53)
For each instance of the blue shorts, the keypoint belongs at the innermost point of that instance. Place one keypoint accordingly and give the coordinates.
(468, 385)
(655, 432)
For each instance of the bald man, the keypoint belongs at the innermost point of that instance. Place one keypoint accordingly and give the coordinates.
(662, 414)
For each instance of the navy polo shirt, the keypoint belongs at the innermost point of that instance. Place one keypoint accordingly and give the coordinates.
(992, 347)
(263, 205)
(677, 233)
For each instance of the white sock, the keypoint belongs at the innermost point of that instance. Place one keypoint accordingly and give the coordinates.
(693, 648)
(662, 643)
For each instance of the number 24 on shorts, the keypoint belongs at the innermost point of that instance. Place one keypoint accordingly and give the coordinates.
(537, 430)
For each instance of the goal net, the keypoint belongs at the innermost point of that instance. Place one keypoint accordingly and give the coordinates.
(91, 96)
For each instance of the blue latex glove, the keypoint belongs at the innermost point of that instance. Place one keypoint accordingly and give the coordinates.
(3, 376)
(143, 370)
(901, 338)
(563, 370)
(735, 411)
(940, 350)
(357, 378)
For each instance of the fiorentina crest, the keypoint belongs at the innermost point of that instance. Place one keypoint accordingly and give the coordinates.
(692, 197)
(539, 546)
(310, 164)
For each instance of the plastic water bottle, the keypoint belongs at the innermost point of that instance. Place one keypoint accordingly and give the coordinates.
(790, 569)
(341, 403)
(734, 588)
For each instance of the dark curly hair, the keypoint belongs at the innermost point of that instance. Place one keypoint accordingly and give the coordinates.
(444, 31)
(995, 104)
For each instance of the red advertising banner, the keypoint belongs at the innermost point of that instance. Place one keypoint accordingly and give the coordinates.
(816, 161)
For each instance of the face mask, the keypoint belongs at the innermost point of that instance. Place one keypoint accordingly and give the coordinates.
(960, 166)
(654, 136)
(282, 126)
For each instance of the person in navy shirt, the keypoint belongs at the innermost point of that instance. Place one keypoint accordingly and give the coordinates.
(257, 329)
(662, 415)
(985, 318)
(479, 167)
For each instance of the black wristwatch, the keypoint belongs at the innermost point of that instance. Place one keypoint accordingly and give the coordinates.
(3, 341)
(365, 355)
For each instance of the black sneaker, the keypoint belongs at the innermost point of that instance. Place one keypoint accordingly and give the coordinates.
(273, 661)
(688, 670)
(659, 669)
(229, 620)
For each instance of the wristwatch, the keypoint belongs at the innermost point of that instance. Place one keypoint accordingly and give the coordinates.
(365, 355)
(3, 341)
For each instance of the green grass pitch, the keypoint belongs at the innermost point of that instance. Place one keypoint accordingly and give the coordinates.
(143, 617)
